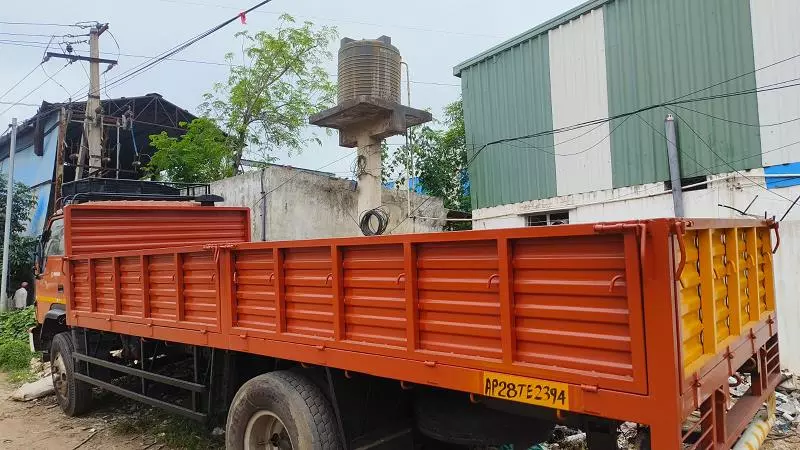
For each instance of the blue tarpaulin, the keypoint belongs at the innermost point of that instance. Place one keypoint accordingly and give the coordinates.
(777, 182)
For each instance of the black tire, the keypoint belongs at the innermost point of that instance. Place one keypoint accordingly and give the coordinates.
(74, 396)
(301, 407)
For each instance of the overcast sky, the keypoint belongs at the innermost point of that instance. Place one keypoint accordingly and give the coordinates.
(432, 35)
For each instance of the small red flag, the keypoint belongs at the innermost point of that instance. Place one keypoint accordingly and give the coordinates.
(243, 18)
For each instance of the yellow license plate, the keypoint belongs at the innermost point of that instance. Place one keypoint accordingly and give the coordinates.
(526, 390)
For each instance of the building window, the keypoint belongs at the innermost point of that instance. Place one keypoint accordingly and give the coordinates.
(545, 219)
(689, 184)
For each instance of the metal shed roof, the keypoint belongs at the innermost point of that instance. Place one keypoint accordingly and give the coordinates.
(543, 28)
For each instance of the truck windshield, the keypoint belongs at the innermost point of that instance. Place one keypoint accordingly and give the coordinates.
(55, 245)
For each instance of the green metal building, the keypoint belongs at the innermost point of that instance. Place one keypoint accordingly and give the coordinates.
(609, 58)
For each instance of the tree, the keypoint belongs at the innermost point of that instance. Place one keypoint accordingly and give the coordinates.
(201, 155)
(22, 248)
(265, 103)
(440, 159)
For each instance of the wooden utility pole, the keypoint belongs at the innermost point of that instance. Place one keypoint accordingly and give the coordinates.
(63, 125)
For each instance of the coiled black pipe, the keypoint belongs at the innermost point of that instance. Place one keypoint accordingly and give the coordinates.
(365, 222)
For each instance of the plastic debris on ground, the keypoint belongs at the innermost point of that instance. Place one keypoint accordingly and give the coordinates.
(788, 406)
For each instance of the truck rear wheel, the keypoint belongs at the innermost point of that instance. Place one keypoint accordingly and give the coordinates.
(281, 411)
(74, 396)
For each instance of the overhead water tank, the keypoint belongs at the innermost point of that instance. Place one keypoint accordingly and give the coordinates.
(369, 67)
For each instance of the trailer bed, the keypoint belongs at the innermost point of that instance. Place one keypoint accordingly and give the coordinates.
(602, 319)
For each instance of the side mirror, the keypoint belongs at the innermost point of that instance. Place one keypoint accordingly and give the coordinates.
(39, 259)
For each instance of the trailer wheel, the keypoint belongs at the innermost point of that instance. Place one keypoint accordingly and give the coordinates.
(281, 411)
(74, 396)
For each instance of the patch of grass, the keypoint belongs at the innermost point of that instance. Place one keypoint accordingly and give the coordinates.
(175, 432)
(14, 354)
(21, 376)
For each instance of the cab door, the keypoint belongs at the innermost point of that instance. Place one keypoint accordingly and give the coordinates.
(50, 280)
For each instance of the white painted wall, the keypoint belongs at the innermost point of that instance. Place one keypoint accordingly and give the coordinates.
(311, 205)
(787, 294)
(580, 93)
(776, 37)
(649, 201)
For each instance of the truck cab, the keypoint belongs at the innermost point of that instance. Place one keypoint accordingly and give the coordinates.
(50, 298)
(50, 294)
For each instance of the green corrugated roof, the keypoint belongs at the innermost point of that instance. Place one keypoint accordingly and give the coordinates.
(543, 28)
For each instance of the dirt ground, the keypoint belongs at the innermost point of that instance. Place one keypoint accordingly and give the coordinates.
(775, 442)
(40, 425)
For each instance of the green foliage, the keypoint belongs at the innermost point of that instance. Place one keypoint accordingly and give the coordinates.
(22, 247)
(201, 155)
(15, 354)
(15, 324)
(266, 101)
(440, 161)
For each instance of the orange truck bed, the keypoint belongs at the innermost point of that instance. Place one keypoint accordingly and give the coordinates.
(639, 321)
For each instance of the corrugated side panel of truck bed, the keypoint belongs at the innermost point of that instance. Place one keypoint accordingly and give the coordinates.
(562, 303)
(104, 227)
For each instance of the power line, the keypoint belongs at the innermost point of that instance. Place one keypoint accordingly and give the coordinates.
(144, 66)
(39, 24)
(342, 20)
(266, 194)
(222, 64)
(758, 155)
(195, 61)
(39, 35)
(45, 70)
(723, 159)
(48, 42)
(410, 213)
(580, 152)
(33, 90)
(50, 78)
(674, 102)
(18, 104)
(659, 190)
(16, 44)
(147, 65)
(24, 41)
(735, 122)
(772, 87)
(739, 76)
(19, 82)
(141, 68)
(682, 153)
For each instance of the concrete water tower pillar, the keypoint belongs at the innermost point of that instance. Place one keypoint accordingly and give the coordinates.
(369, 109)
(369, 165)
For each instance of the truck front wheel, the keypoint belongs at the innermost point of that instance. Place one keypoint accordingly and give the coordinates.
(74, 396)
(281, 411)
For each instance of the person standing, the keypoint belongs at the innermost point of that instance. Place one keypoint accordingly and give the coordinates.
(21, 296)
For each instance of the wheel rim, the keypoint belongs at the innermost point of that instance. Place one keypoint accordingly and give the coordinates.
(266, 431)
(59, 374)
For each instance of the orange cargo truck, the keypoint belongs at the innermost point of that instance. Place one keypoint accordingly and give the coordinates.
(476, 339)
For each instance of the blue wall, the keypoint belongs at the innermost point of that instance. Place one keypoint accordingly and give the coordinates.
(37, 172)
